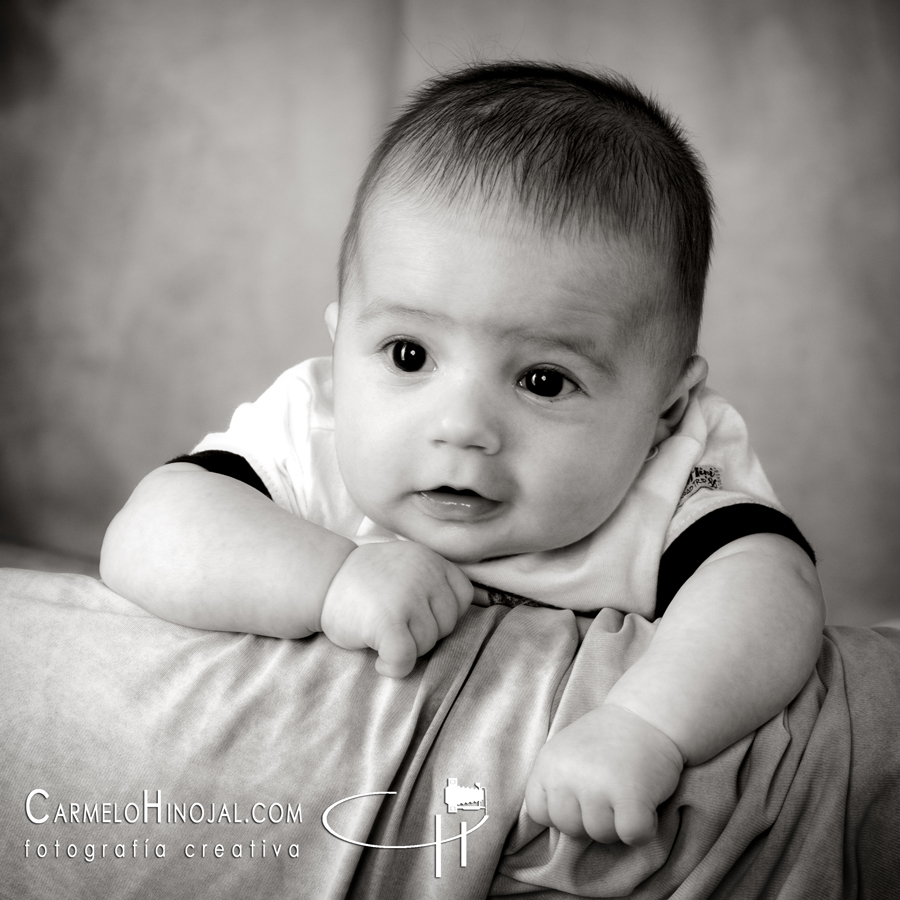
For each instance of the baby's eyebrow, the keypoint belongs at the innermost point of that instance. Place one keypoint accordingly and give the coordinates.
(380, 308)
(580, 345)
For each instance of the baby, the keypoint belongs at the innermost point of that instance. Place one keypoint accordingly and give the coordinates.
(514, 402)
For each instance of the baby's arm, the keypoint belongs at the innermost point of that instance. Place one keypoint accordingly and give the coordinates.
(735, 647)
(208, 551)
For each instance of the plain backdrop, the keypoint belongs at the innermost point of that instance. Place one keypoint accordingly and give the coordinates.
(175, 177)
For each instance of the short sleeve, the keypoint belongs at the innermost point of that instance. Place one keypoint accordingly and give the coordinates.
(221, 462)
(287, 437)
(727, 471)
(726, 496)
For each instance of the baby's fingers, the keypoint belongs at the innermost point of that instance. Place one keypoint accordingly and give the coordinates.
(424, 628)
(447, 608)
(635, 822)
(631, 821)
(536, 802)
(600, 823)
(565, 813)
(556, 808)
(397, 651)
(463, 591)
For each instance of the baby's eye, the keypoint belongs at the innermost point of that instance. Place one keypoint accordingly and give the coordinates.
(547, 383)
(408, 356)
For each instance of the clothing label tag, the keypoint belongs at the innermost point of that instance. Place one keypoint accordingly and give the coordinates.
(701, 477)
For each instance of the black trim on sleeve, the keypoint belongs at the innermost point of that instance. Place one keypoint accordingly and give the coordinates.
(711, 532)
(222, 462)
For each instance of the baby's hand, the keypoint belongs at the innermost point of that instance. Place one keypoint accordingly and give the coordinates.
(399, 598)
(603, 776)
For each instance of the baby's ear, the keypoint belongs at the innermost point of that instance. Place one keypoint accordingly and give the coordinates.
(689, 385)
(331, 318)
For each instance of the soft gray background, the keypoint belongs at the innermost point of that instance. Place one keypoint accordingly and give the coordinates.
(174, 178)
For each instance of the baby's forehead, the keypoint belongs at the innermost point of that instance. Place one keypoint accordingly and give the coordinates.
(417, 249)
(416, 207)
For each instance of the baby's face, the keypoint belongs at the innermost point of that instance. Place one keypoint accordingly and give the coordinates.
(486, 402)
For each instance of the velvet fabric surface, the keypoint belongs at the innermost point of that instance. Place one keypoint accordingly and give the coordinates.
(142, 759)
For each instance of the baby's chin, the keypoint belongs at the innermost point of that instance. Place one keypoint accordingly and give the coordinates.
(459, 552)
(472, 547)
(473, 543)
(461, 549)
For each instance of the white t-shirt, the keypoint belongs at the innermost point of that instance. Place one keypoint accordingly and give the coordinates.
(287, 436)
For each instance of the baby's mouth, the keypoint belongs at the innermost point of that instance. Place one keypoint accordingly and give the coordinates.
(456, 504)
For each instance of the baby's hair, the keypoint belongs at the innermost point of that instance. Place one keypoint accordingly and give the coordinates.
(579, 152)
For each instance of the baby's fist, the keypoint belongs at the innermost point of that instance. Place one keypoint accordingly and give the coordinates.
(399, 598)
(603, 777)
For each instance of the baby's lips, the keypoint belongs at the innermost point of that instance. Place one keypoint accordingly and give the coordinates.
(461, 492)
(456, 505)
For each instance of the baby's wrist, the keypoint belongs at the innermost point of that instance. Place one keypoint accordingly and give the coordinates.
(651, 732)
(331, 592)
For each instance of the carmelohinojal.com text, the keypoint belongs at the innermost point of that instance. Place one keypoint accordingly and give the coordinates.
(151, 810)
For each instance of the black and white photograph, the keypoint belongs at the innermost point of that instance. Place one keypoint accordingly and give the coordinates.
(449, 449)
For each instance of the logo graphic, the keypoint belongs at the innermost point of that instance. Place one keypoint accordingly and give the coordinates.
(456, 796)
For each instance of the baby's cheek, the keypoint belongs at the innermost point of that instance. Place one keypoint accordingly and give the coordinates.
(357, 467)
(578, 503)
(370, 475)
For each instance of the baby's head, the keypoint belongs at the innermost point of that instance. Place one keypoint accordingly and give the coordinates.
(521, 289)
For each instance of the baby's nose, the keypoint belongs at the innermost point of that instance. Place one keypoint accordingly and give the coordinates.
(463, 418)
